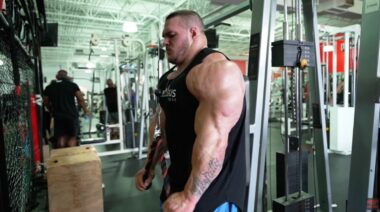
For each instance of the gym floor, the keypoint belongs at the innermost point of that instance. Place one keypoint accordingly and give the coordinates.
(120, 194)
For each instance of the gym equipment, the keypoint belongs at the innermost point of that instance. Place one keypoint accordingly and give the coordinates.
(259, 75)
(292, 170)
(147, 80)
(130, 76)
(119, 141)
(341, 116)
(296, 55)
(363, 187)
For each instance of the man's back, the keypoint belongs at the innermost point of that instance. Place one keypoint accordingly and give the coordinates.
(62, 97)
(111, 99)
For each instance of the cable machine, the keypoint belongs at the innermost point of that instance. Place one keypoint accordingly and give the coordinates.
(259, 72)
(339, 50)
(119, 141)
(152, 55)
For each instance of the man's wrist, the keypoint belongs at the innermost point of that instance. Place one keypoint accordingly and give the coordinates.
(149, 173)
(191, 197)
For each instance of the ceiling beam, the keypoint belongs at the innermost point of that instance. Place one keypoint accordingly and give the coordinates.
(224, 13)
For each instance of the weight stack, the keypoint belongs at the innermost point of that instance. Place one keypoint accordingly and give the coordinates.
(293, 172)
(294, 203)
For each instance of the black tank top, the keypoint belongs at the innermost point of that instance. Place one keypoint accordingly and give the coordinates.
(180, 106)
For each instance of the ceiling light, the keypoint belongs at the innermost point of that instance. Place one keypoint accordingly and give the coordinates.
(1, 62)
(129, 26)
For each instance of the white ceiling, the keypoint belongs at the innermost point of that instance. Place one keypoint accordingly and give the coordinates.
(79, 19)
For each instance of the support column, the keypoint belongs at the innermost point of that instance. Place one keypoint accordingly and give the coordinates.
(366, 121)
(259, 75)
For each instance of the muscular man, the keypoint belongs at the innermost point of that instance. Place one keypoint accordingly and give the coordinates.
(60, 99)
(202, 119)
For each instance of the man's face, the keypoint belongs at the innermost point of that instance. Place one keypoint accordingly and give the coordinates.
(176, 40)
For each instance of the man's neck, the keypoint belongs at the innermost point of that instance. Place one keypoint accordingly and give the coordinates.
(188, 60)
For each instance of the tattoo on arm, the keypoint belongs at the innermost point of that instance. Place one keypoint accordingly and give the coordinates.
(201, 183)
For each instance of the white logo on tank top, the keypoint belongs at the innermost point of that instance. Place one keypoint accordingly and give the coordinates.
(170, 94)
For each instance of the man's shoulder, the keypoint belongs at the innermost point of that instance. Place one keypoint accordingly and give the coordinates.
(215, 56)
(70, 83)
(215, 63)
(48, 87)
(51, 86)
(215, 73)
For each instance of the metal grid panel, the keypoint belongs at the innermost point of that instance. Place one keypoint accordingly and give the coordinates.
(16, 130)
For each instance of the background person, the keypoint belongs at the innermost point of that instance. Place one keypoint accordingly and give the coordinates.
(60, 99)
(110, 94)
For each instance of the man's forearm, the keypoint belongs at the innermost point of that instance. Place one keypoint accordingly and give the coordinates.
(156, 150)
(83, 106)
(157, 146)
(206, 167)
(202, 179)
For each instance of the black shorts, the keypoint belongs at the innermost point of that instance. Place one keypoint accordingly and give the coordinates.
(66, 127)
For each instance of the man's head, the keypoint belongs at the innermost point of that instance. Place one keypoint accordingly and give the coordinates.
(183, 34)
(110, 83)
(190, 18)
(62, 75)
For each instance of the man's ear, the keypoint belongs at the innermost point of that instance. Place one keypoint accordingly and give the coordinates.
(194, 31)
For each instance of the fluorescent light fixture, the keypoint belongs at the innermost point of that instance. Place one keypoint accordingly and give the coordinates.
(1, 62)
(129, 26)
(88, 71)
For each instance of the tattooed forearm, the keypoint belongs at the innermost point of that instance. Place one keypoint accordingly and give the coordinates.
(201, 182)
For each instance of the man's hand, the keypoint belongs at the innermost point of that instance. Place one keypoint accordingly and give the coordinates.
(178, 202)
(140, 183)
(87, 113)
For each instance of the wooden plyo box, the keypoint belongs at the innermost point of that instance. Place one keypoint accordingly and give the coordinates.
(71, 151)
(74, 181)
(46, 152)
